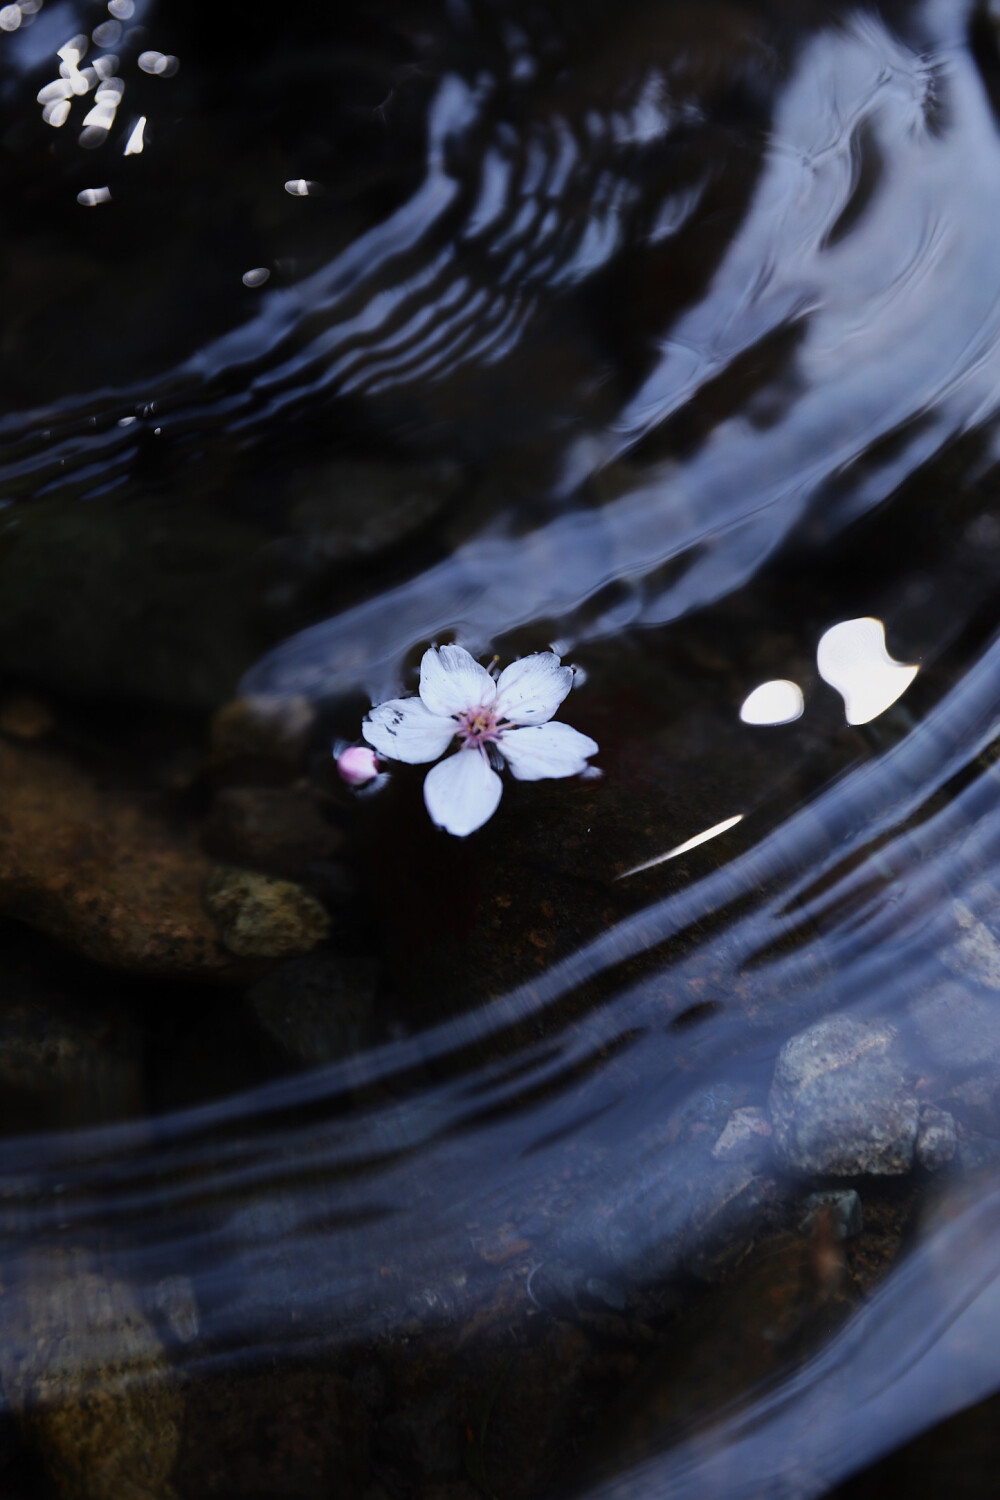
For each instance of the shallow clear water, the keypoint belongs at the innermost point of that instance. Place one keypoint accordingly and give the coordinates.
(667, 336)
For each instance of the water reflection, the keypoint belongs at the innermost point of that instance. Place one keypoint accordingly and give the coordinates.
(852, 657)
(876, 347)
(775, 702)
(688, 844)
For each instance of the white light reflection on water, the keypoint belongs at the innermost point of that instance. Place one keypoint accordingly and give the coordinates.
(158, 64)
(686, 847)
(777, 702)
(134, 144)
(852, 657)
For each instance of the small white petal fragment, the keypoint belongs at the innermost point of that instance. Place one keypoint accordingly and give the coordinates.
(122, 10)
(10, 18)
(106, 34)
(852, 658)
(102, 115)
(688, 844)
(91, 197)
(106, 68)
(133, 146)
(58, 89)
(452, 681)
(73, 51)
(256, 277)
(543, 750)
(777, 702)
(530, 690)
(462, 792)
(298, 187)
(159, 64)
(405, 729)
(56, 113)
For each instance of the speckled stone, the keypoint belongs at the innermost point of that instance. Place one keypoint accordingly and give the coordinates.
(88, 1377)
(101, 874)
(746, 1136)
(841, 1208)
(260, 917)
(840, 1101)
(937, 1138)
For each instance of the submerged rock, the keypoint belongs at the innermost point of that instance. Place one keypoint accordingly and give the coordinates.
(959, 1025)
(101, 875)
(937, 1138)
(424, 1438)
(841, 1103)
(317, 1009)
(260, 917)
(746, 1136)
(24, 717)
(839, 1209)
(974, 1102)
(89, 1380)
(351, 510)
(63, 1066)
(300, 1434)
(107, 601)
(975, 952)
(280, 829)
(262, 735)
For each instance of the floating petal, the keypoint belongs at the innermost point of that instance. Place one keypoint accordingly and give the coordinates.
(405, 729)
(530, 690)
(545, 750)
(462, 793)
(452, 681)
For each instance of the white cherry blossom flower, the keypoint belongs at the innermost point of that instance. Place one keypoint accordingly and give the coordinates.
(505, 719)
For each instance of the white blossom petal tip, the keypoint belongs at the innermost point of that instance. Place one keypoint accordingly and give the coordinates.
(405, 729)
(462, 792)
(530, 690)
(545, 750)
(452, 681)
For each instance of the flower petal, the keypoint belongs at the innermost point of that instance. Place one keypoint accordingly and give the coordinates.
(405, 729)
(546, 750)
(462, 792)
(530, 690)
(452, 681)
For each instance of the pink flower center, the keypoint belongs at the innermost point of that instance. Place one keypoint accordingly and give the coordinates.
(476, 727)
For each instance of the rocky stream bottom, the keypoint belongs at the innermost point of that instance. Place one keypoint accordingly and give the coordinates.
(204, 932)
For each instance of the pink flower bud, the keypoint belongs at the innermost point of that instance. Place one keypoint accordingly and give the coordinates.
(357, 765)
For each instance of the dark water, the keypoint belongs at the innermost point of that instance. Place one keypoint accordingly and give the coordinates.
(662, 334)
